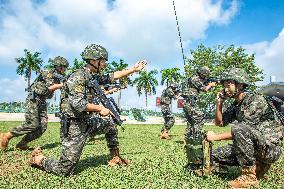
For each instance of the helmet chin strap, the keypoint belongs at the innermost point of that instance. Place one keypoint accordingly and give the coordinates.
(96, 67)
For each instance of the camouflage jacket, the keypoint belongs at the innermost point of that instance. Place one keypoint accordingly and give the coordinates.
(254, 111)
(167, 95)
(191, 87)
(39, 88)
(77, 93)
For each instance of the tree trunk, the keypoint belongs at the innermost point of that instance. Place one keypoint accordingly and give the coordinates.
(29, 79)
(119, 99)
(146, 100)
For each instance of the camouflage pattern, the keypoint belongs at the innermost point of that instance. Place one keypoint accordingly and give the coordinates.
(74, 141)
(194, 115)
(168, 117)
(195, 119)
(94, 52)
(256, 137)
(35, 123)
(76, 94)
(204, 71)
(60, 61)
(236, 74)
(167, 95)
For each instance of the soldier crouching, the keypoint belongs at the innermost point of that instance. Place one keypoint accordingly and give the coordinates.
(83, 115)
(257, 135)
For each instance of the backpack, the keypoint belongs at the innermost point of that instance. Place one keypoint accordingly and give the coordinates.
(275, 104)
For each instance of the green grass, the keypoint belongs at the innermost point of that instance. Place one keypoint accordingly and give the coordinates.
(155, 163)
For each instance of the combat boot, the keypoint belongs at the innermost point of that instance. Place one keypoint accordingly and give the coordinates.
(261, 169)
(116, 158)
(4, 140)
(37, 158)
(23, 146)
(246, 180)
(165, 134)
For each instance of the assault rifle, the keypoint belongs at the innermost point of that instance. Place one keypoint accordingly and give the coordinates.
(212, 79)
(115, 85)
(108, 103)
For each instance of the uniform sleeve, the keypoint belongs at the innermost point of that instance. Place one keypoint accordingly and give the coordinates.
(43, 82)
(77, 90)
(229, 115)
(198, 84)
(254, 109)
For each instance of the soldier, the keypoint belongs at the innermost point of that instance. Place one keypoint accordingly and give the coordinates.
(36, 107)
(167, 95)
(257, 135)
(191, 88)
(78, 107)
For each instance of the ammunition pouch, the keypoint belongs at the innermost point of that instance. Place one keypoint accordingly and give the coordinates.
(199, 153)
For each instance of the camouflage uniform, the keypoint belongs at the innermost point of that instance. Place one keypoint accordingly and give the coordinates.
(256, 137)
(76, 94)
(191, 89)
(167, 95)
(193, 113)
(35, 123)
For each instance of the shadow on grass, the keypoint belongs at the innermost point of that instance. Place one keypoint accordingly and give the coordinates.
(91, 162)
(49, 146)
(179, 142)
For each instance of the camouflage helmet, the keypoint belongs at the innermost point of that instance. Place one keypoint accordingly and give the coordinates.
(174, 85)
(237, 74)
(60, 61)
(94, 52)
(204, 71)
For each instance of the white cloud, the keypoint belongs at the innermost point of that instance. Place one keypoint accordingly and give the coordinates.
(269, 56)
(129, 29)
(12, 89)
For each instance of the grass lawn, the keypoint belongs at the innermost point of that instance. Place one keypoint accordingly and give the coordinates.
(155, 163)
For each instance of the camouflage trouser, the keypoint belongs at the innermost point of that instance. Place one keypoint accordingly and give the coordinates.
(35, 123)
(194, 116)
(248, 146)
(193, 136)
(168, 117)
(73, 143)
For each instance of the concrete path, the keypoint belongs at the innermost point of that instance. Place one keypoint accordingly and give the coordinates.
(52, 118)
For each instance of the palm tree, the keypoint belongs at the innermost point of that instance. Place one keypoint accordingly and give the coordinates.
(146, 82)
(76, 65)
(30, 62)
(170, 75)
(125, 81)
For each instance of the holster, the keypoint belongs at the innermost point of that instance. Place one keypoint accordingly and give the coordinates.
(65, 124)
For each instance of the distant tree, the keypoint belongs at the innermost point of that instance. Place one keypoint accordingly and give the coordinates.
(170, 75)
(30, 62)
(76, 65)
(146, 82)
(125, 81)
(218, 59)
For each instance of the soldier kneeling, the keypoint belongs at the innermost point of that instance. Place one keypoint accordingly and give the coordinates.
(256, 138)
(79, 107)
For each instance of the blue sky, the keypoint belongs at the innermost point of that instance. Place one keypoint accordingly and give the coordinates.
(134, 30)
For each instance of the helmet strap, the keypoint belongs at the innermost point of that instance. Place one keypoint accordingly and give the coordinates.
(96, 67)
